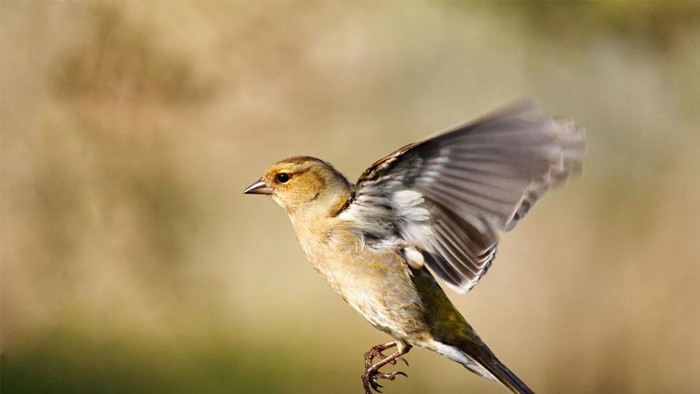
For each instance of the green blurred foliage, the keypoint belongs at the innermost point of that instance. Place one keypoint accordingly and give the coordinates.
(132, 263)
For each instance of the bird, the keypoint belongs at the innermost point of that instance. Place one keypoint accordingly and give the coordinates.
(430, 209)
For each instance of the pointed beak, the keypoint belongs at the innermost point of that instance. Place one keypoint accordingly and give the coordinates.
(258, 187)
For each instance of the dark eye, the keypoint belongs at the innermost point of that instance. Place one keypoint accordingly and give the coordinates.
(283, 177)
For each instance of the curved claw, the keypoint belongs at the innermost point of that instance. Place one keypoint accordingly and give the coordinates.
(368, 382)
(390, 376)
(393, 362)
(370, 379)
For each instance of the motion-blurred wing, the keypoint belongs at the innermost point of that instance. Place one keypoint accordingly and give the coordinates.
(448, 194)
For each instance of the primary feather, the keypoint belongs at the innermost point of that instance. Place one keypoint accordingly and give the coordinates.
(447, 195)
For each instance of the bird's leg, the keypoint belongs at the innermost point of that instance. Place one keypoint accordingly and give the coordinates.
(377, 350)
(369, 378)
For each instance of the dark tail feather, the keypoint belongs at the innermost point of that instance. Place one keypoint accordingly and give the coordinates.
(480, 353)
(505, 376)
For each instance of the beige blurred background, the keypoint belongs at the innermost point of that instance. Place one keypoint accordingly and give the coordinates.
(131, 262)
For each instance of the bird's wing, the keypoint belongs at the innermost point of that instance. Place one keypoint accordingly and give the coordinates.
(447, 195)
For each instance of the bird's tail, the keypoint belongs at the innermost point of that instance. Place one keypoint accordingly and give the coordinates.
(478, 358)
(505, 376)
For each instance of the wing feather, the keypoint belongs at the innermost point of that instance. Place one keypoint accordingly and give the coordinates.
(449, 194)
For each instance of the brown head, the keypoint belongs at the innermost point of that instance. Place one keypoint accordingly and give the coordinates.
(303, 183)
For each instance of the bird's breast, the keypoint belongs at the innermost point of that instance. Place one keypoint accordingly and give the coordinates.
(376, 283)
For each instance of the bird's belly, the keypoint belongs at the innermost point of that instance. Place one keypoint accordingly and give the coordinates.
(375, 311)
(379, 287)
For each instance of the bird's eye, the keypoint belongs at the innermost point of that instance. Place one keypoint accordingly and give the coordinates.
(283, 177)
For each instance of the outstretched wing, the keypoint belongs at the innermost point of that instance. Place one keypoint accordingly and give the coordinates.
(447, 195)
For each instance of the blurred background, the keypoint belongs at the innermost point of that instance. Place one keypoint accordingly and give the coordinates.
(131, 262)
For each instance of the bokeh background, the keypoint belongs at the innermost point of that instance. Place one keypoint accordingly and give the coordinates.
(131, 262)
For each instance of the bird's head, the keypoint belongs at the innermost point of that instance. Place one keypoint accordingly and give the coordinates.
(303, 183)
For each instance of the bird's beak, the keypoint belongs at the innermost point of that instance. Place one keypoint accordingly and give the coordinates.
(258, 187)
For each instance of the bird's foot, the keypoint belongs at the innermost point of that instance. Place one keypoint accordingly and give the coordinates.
(376, 352)
(369, 379)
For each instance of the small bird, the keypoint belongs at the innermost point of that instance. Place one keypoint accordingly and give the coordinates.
(434, 205)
